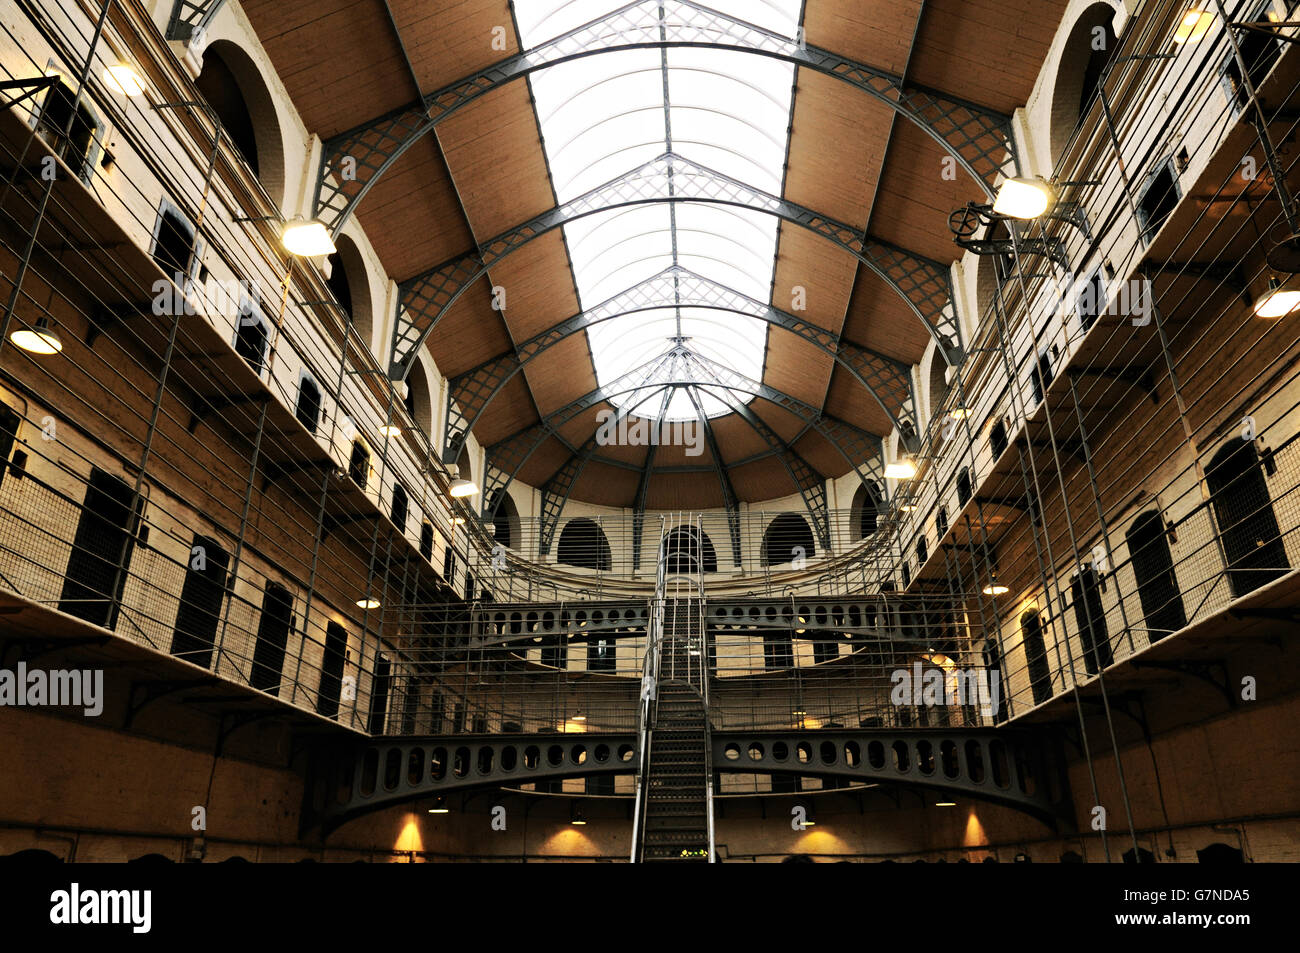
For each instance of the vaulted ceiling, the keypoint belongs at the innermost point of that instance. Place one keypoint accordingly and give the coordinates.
(818, 195)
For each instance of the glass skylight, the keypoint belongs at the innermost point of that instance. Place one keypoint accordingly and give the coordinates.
(605, 115)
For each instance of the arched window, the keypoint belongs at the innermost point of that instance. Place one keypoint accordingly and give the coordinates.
(938, 382)
(687, 551)
(1244, 511)
(583, 544)
(359, 463)
(1031, 637)
(233, 86)
(1088, 49)
(418, 402)
(1090, 617)
(1153, 566)
(864, 512)
(504, 516)
(400, 507)
(964, 488)
(786, 539)
(308, 409)
(1219, 853)
(348, 283)
(202, 594)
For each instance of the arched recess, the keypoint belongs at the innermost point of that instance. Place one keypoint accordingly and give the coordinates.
(583, 544)
(232, 85)
(787, 538)
(1243, 509)
(1087, 50)
(502, 513)
(937, 385)
(687, 550)
(864, 512)
(1153, 568)
(350, 285)
(1031, 638)
(419, 399)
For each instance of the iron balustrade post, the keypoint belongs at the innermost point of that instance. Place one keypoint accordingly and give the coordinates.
(233, 578)
(1101, 513)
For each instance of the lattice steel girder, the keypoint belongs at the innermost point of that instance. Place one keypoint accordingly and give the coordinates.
(643, 482)
(889, 381)
(811, 487)
(1020, 768)
(689, 370)
(434, 764)
(188, 17)
(923, 284)
(730, 501)
(978, 139)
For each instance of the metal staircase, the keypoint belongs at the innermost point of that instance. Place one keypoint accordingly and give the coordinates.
(674, 809)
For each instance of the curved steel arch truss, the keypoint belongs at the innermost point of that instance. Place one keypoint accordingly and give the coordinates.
(979, 139)
(682, 368)
(887, 380)
(923, 284)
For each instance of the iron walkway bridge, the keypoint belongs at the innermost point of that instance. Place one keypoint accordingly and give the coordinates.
(1022, 770)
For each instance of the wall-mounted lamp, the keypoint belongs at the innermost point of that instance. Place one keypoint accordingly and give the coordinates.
(461, 488)
(124, 79)
(1194, 24)
(904, 468)
(307, 239)
(1024, 198)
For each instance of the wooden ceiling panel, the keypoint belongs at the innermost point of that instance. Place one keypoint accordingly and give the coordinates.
(683, 491)
(736, 439)
(561, 374)
(765, 479)
(837, 140)
(538, 285)
(582, 427)
(797, 367)
(339, 60)
(850, 402)
(512, 410)
(824, 272)
(821, 455)
(988, 52)
(623, 453)
(453, 38)
(604, 485)
(412, 215)
(880, 319)
(495, 155)
(469, 333)
(915, 199)
(678, 443)
(878, 34)
(786, 425)
(543, 462)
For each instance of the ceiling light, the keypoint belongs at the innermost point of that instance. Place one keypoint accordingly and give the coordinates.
(945, 803)
(439, 806)
(576, 816)
(907, 508)
(1277, 303)
(995, 588)
(1194, 25)
(1024, 198)
(124, 79)
(368, 603)
(579, 717)
(307, 239)
(391, 430)
(41, 338)
(901, 469)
